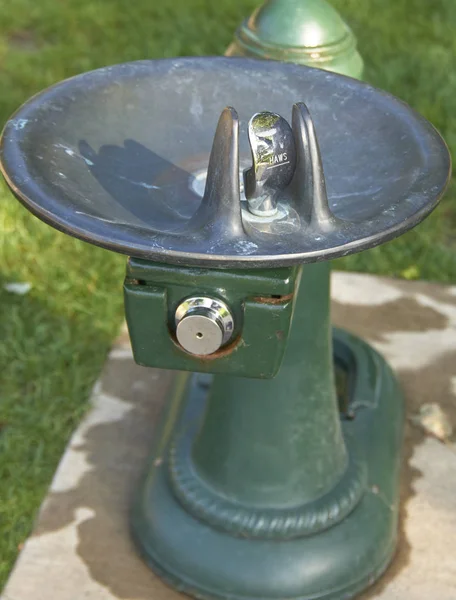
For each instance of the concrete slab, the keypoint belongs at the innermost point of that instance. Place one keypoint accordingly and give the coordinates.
(81, 549)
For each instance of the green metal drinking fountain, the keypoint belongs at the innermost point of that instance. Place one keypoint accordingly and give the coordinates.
(230, 183)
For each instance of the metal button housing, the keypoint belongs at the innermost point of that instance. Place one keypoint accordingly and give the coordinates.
(203, 325)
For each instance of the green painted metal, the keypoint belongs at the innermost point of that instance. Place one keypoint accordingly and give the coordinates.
(261, 301)
(309, 32)
(299, 403)
(278, 488)
(211, 537)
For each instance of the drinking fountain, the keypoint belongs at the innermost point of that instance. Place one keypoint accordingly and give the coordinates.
(230, 183)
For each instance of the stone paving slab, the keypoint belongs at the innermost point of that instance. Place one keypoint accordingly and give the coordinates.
(81, 549)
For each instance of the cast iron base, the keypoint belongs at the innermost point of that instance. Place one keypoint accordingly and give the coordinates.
(334, 564)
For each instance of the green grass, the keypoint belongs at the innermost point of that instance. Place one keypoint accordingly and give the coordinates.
(54, 340)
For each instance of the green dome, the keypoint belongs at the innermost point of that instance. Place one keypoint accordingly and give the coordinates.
(309, 32)
(298, 23)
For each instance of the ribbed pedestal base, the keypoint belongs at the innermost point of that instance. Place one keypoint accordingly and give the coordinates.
(207, 562)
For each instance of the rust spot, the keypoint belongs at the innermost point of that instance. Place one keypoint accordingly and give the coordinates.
(280, 335)
(130, 281)
(273, 299)
(222, 353)
(226, 351)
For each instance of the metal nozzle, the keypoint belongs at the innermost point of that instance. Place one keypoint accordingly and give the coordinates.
(274, 161)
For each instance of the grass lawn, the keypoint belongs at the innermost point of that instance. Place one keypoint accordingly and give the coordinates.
(53, 341)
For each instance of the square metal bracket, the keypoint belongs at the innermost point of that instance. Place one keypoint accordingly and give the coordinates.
(261, 300)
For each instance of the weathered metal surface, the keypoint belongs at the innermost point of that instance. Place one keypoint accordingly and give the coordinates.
(101, 156)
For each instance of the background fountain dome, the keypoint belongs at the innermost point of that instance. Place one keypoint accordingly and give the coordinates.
(309, 32)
